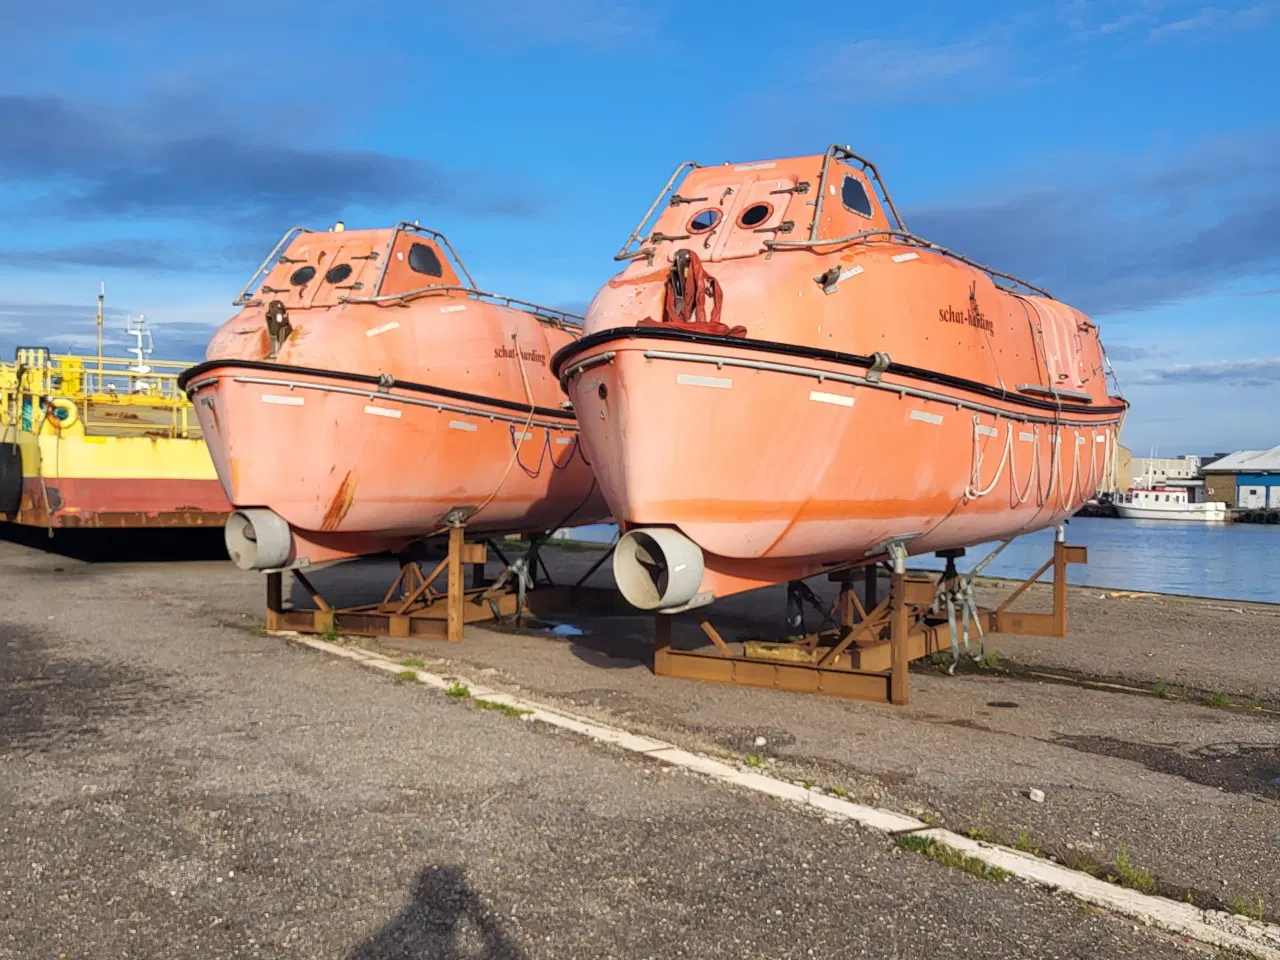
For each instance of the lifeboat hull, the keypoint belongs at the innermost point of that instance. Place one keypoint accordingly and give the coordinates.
(376, 421)
(760, 456)
(788, 403)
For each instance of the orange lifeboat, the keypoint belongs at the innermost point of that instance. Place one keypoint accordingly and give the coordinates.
(368, 389)
(784, 379)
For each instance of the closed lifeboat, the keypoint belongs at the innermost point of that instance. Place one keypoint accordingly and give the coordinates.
(368, 393)
(784, 379)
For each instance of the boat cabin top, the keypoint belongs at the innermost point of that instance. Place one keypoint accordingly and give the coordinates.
(736, 209)
(324, 269)
(1150, 497)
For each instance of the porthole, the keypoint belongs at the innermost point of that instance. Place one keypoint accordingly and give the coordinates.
(704, 220)
(338, 273)
(422, 259)
(302, 275)
(755, 214)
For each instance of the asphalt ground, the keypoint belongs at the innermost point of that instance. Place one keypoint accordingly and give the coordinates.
(175, 783)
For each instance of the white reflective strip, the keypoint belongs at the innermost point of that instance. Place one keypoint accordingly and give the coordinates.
(456, 308)
(385, 328)
(564, 441)
(283, 401)
(523, 436)
(382, 412)
(904, 257)
(1026, 436)
(851, 272)
(756, 166)
(692, 380)
(1099, 439)
(925, 417)
(837, 399)
(460, 425)
(987, 431)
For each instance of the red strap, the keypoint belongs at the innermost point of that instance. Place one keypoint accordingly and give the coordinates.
(691, 314)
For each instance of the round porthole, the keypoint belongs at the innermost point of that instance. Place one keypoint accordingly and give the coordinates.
(755, 214)
(302, 275)
(704, 220)
(338, 273)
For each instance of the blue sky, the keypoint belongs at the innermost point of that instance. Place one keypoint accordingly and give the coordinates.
(1126, 156)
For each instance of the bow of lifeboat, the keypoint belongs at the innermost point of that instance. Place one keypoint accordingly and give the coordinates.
(784, 379)
(367, 390)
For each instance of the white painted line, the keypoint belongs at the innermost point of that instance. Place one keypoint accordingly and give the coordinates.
(837, 399)
(462, 425)
(1207, 926)
(382, 412)
(456, 308)
(385, 328)
(755, 166)
(986, 431)
(1253, 938)
(283, 401)
(904, 257)
(1026, 436)
(564, 441)
(923, 417)
(693, 380)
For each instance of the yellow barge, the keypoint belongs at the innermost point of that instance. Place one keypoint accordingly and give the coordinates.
(102, 442)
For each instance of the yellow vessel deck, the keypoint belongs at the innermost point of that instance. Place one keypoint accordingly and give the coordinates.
(110, 442)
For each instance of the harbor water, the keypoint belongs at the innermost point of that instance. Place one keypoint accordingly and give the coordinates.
(1229, 561)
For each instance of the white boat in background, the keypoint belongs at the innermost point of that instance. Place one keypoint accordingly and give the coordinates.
(1167, 503)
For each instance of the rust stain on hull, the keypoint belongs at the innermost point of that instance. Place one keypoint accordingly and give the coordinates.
(341, 502)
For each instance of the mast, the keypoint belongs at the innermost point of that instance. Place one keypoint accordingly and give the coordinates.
(102, 292)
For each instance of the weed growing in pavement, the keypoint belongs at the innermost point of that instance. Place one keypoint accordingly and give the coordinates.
(457, 690)
(408, 676)
(509, 710)
(258, 630)
(1075, 860)
(1249, 706)
(840, 792)
(1131, 876)
(950, 857)
(1166, 691)
(413, 662)
(755, 760)
(1242, 907)
(331, 634)
(977, 833)
(808, 784)
(1219, 701)
(1023, 843)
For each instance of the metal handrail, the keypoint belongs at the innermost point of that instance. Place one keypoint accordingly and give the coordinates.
(837, 152)
(912, 240)
(265, 267)
(638, 233)
(542, 312)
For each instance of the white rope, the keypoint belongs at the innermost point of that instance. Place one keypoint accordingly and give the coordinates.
(971, 492)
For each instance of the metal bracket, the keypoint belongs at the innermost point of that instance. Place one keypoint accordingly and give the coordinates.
(879, 364)
(385, 382)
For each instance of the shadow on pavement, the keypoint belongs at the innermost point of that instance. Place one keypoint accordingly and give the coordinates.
(122, 544)
(445, 920)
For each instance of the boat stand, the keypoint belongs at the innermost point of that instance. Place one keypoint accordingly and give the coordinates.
(867, 656)
(412, 606)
